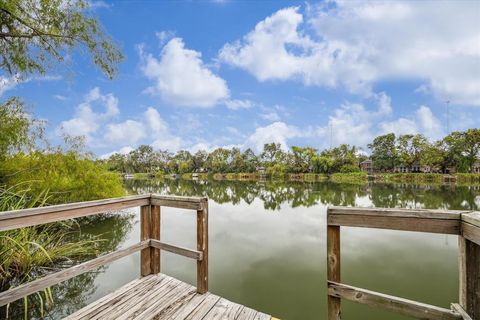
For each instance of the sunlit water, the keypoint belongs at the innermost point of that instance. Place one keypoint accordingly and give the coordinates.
(268, 246)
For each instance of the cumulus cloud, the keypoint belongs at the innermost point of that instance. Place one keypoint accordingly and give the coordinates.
(124, 150)
(7, 83)
(423, 121)
(270, 116)
(278, 132)
(181, 78)
(236, 104)
(86, 120)
(356, 124)
(129, 132)
(160, 132)
(355, 44)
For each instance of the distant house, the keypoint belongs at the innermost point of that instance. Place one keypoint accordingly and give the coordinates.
(416, 167)
(366, 166)
(476, 166)
(261, 170)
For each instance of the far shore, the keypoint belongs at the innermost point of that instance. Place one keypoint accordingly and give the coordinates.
(354, 177)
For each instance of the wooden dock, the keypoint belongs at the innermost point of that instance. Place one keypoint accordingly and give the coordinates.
(162, 297)
(154, 295)
(157, 296)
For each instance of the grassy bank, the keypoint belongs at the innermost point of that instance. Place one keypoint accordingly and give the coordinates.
(435, 178)
(353, 177)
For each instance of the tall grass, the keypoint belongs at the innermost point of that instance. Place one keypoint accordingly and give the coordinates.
(29, 253)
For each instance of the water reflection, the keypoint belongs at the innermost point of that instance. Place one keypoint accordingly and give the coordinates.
(75, 293)
(267, 246)
(274, 194)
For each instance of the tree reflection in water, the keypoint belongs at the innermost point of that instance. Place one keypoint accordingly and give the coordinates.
(73, 294)
(274, 194)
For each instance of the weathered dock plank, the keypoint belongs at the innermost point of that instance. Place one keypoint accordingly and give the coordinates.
(160, 297)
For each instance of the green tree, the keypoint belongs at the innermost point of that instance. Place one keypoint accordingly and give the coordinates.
(36, 35)
(199, 159)
(344, 158)
(410, 148)
(434, 155)
(217, 160)
(272, 154)
(18, 129)
(384, 152)
(302, 159)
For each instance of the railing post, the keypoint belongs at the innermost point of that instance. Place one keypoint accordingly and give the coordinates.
(202, 245)
(469, 260)
(333, 268)
(155, 256)
(145, 230)
(150, 229)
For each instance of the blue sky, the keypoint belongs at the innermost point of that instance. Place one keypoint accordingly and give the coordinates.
(205, 74)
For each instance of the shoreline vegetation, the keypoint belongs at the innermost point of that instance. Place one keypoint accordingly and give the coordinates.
(353, 177)
(403, 158)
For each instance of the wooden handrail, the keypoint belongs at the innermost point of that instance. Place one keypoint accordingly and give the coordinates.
(149, 246)
(36, 216)
(465, 224)
(193, 254)
(60, 276)
(399, 305)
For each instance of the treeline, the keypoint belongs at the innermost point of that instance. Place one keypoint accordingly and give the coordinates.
(458, 149)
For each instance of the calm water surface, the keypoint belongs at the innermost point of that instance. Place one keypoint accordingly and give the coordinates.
(268, 246)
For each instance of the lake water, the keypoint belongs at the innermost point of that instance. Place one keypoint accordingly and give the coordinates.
(268, 246)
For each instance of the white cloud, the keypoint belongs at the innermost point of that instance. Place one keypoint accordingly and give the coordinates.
(357, 43)
(129, 132)
(163, 139)
(156, 124)
(124, 150)
(423, 121)
(8, 83)
(60, 97)
(164, 36)
(182, 79)
(278, 132)
(270, 116)
(86, 120)
(239, 104)
(355, 124)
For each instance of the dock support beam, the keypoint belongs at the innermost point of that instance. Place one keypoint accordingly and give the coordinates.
(202, 246)
(469, 260)
(149, 229)
(333, 269)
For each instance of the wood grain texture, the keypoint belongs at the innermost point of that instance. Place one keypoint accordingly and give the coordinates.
(192, 203)
(202, 246)
(472, 218)
(155, 235)
(54, 278)
(457, 308)
(469, 269)
(37, 216)
(193, 254)
(333, 270)
(400, 212)
(160, 297)
(471, 232)
(145, 229)
(443, 226)
(399, 305)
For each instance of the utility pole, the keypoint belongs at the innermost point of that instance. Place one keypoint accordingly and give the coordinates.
(447, 105)
(331, 134)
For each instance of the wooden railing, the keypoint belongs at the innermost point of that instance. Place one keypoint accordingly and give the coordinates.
(149, 245)
(462, 223)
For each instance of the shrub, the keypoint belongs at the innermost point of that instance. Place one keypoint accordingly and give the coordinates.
(68, 177)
